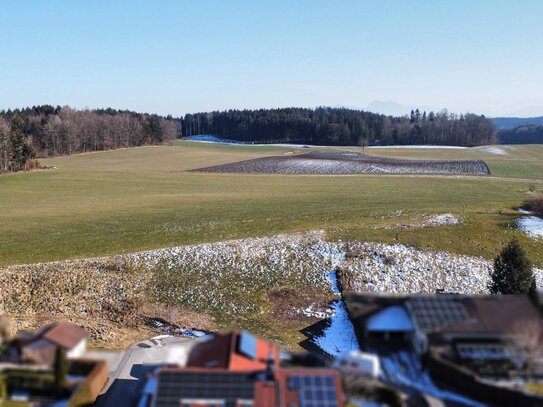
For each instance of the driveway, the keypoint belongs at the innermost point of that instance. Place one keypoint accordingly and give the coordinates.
(130, 370)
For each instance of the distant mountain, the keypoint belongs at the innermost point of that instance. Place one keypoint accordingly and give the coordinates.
(512, 122)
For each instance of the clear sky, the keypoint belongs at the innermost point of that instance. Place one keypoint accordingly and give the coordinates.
(186, 56)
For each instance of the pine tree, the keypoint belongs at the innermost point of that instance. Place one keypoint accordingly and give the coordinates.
(513, 272)
(19, 149)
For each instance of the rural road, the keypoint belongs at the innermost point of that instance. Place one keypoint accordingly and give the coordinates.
(130, 369)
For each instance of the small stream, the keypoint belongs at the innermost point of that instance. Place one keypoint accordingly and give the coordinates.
(530, 224)
(335, 335)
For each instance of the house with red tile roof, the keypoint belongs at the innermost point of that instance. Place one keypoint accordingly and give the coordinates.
(238, 370)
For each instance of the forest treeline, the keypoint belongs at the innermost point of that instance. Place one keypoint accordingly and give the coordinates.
(48, 131)
(531, 134)
(340, 126)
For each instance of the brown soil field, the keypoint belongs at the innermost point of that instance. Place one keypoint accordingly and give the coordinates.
(348, 163)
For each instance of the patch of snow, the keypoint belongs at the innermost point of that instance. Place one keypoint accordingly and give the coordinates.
(338, 337)
(531, 225)
(422, 146)
(156, 338)
(403, 269)
(204, 138)
(493, 150)
(404, 369)
(311, 312)
(393, 318)
(444, 219)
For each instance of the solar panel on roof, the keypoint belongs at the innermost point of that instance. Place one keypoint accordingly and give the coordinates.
(432, 312)
(315, 391)
(174, 386)
(247, 344)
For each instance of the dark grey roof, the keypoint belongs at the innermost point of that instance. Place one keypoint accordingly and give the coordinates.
(431, 312)
(315, 391)
(174, 386)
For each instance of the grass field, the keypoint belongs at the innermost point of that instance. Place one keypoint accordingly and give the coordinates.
(127, 200)
(519, 161)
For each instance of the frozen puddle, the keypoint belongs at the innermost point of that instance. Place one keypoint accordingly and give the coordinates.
(176, 331)
(337, 334)
(532, 225)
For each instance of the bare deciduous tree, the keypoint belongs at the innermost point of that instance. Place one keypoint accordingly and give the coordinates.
(527, 339)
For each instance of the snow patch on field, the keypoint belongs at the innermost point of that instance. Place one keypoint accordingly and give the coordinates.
(218, 140)
(422, 146)
(445, 219)
(493, 150)
(532, 225)
(404, 369)
(230, 276)
(404, 269)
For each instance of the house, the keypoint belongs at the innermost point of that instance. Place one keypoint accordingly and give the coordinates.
(476, 326)
(238, 370)
(40, 347)
(29, 374)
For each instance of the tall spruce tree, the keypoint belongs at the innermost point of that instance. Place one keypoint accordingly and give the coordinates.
(19, 150)
(513, 272)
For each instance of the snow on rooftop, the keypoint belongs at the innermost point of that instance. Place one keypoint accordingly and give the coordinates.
(394, 318)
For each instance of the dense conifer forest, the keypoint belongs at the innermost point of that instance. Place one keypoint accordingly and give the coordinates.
(531, 134)
(340, 126)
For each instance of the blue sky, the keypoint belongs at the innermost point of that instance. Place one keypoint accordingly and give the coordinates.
(186, 56)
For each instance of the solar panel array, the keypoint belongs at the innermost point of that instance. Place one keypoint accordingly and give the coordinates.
(247, 345)
(482, 351)
(315, 391)
(230, 387)
(202, 402)
(430, 313)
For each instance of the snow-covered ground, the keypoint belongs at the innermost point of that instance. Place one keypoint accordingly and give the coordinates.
(403, 368)
(338, 336)
(530, 224)
(421, 146)
(444, 219)
(218, 140)
(493, 150)
(169, 330)
(230, 276)
(403, 269)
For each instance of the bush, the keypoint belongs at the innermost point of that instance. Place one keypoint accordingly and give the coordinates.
(534, 205)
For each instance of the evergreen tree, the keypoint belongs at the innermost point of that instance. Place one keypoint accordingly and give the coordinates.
(19, 149)
(513, 272)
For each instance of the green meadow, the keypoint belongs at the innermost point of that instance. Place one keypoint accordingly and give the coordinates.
(142, 198)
